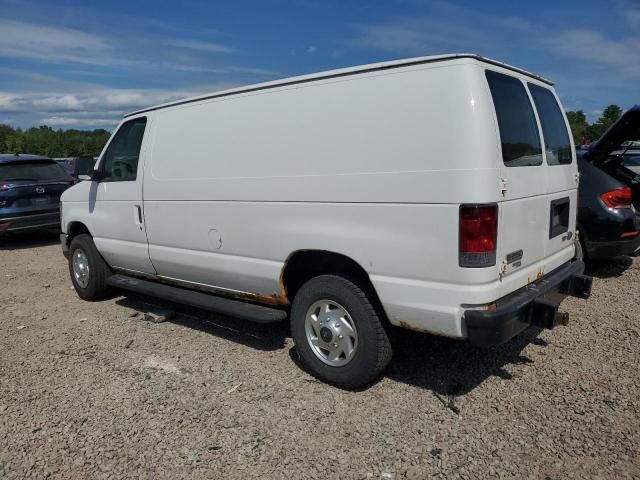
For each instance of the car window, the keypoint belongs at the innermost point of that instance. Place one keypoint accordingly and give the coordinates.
(554, 128)
(120, 161)
(32, 171)
(632, 160)
(516, 122)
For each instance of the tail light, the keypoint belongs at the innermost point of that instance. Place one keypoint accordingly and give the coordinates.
(478, 235)
(618, 198)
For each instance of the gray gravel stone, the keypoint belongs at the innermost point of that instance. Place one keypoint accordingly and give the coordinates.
(555, 404)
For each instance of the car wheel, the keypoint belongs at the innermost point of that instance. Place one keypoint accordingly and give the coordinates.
(89, 272)
(338, 334)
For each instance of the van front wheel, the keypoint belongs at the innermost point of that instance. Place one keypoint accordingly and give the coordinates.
(338, 334)
(89, 272)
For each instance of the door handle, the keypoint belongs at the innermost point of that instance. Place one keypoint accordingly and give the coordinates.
(137, 216)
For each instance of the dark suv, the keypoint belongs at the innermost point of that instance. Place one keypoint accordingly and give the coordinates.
(609, 194)
(30, 189)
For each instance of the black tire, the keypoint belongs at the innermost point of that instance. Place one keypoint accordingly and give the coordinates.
(373, 352)
(99, 271)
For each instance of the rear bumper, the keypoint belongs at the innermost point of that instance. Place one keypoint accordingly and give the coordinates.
(30, 222)
(536, 304)
(602, 250)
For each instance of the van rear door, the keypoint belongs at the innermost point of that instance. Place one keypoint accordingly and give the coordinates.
(538, 176)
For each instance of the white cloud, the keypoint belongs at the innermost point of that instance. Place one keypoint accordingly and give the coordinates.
(447, 28)
(593, 47)
(312, 49)
(59, 45)
(157, 59)
(56, 45)
(98, 107)
(72, 121)
(451, 28)
(203, 46)
(58, 103)
(632, 15)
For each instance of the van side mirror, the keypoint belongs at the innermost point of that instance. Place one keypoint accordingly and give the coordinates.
(95, 176)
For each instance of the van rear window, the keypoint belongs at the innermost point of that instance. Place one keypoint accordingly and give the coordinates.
(516, 122)
(554, 130)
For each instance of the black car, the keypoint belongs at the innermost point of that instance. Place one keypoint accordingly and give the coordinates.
(609, 193)
(30, 189)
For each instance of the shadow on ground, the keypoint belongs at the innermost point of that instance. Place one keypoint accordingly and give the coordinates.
(21, 241)
(445, 366)
(451, 367)
(261, 337)
(610, 268)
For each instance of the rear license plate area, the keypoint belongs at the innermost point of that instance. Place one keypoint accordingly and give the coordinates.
(41, 200)
(559, 217)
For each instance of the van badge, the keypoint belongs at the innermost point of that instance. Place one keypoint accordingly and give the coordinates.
(514, 256)
(39, 189)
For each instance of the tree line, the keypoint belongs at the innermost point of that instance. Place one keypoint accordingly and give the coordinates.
(45, 140)
(585, 132)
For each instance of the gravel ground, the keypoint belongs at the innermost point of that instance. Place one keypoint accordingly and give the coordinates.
(91, 390)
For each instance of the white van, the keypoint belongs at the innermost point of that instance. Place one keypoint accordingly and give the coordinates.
(436, 194)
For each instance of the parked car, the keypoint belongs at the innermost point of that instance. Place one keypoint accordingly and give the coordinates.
(30, 189)
(347, 201)
(609, 194)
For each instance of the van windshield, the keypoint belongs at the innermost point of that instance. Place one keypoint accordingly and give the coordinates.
(554, 129)
(516, 122)
(33, 171)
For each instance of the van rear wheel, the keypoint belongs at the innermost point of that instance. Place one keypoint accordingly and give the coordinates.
(338, 334)
(89, 272)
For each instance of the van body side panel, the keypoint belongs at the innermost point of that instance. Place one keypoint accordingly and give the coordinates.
(372, 166)
(403, 136)
(237, 184)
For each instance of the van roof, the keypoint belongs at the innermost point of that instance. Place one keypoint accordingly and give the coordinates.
(371, 67)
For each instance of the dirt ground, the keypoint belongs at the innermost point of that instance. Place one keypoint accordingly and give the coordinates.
(91, 390)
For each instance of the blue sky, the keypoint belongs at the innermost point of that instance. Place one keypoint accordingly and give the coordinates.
(83, 64)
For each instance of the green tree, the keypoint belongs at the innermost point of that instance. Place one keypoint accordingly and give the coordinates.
(609, 116)
(44, 140)
(579, 125)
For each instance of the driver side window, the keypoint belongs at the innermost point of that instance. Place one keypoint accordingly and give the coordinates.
(120, 162)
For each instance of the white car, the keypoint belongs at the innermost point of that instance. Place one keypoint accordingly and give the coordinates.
(436, 194)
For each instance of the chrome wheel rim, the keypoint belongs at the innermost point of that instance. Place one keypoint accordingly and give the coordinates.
(81, 268)
(331, 333)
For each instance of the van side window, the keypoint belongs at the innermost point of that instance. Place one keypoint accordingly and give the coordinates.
(120, 163)
(554, 130)
(516, 122)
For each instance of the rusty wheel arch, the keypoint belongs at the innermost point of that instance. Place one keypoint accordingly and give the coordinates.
(303, 265)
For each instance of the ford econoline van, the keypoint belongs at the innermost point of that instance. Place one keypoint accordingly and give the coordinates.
(436, 194)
